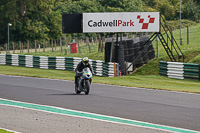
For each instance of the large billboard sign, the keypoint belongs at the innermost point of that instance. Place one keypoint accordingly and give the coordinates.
(121, 22)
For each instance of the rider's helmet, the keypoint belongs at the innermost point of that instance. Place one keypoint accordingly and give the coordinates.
(85, 60)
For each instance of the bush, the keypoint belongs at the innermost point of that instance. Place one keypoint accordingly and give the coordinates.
(192, 11)
(176, 23)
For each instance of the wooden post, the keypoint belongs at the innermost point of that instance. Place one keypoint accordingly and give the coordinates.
(78, 46)
(52, 44)
(93, 43)
(88, 43)
(35, 46)
(55, 44)
(20, 47)
(43, 45)
(96, 41)
(115, 73)
(99, 48)
(28, 45)
(187, 35)
(102, 45)
(61, 45)
(6, 48)
(13, 48)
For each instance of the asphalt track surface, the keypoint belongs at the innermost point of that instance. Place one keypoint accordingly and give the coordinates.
(155, 106)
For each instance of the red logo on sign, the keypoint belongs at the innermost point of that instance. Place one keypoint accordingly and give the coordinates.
(145, 25)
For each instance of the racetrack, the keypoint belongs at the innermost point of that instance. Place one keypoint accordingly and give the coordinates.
(155, 106)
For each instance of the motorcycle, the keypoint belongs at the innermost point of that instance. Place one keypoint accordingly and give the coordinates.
(84, 81)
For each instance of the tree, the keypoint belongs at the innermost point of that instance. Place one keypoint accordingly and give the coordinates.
(80, 6)
(122, 5)
(31, 19)
(192, 11)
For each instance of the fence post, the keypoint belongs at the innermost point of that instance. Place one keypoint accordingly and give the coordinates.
(28, 45)
(55, 44)
(65, 44)
(102, 45)
(70, 42)
(43, 45)
(93, 43)
(88, 43)
(35, 46)
(6, 48)
(61, 45)
(187, 34)
(99, 43)
(96, 41)
(20, 47)
(13, 48)
(52, 44)
(78, 46)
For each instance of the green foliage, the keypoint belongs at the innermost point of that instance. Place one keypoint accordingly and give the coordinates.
(79, 6)
(166, 9)
(150, 69)
(31, 19)
(41, 19)
(171, 8)
(192, 11)
(184, 23)
(121, 5)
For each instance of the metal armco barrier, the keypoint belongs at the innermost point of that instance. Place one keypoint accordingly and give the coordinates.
(179, 70)
(101, 68)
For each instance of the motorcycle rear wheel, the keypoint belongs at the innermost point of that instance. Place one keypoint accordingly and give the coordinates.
(87, 87)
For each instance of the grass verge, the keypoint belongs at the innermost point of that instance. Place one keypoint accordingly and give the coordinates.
(4, 131)
(143, 81)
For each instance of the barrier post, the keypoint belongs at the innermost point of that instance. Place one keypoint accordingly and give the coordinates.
(115, 74)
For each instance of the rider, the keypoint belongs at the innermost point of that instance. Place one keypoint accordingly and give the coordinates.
(84, 63)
